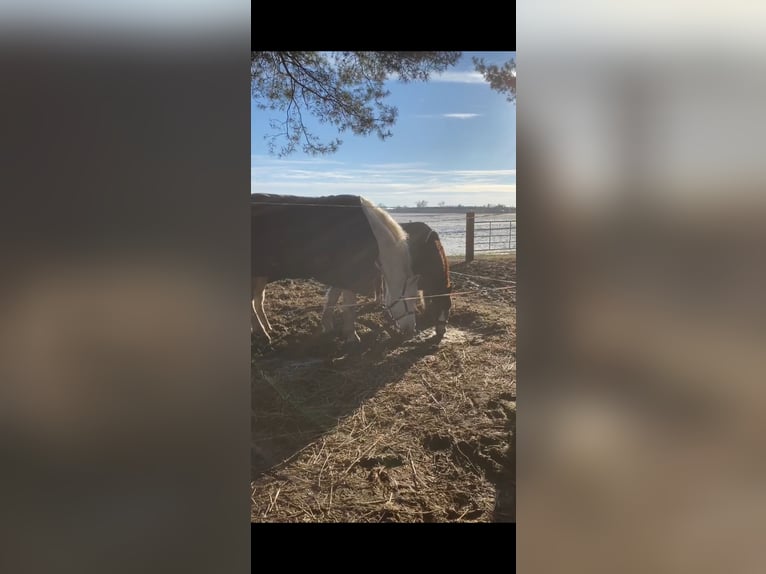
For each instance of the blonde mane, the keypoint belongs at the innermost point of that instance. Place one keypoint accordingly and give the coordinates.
(394, 253)
(397, 233)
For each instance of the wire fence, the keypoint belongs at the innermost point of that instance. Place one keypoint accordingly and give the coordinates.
(511, 285)
(495, 235)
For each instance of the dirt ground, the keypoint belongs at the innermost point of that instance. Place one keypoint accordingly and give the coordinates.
(387, 431)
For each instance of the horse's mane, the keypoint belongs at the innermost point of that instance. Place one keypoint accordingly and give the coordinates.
(397, 233)
(434, 237)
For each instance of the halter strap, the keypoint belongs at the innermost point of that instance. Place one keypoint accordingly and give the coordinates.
(405, 301)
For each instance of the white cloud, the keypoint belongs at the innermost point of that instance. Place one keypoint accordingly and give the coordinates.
(458, 77)
(399, 166)
(458, 116)
(461, 116)
(379, 181)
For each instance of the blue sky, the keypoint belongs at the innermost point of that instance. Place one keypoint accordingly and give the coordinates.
(454, 141)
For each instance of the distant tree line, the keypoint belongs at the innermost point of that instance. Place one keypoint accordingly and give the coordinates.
(422, 207)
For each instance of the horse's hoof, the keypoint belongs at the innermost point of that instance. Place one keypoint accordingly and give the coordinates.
(256, 338)
(352, 339)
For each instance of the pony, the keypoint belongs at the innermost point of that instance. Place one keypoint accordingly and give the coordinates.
(340, 240)
(430, 264)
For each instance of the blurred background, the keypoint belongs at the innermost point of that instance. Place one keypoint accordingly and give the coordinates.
(641, 281)
(641, 131)
(124, 352)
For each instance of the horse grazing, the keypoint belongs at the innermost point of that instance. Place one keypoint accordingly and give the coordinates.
(430, 264)
(340, 240)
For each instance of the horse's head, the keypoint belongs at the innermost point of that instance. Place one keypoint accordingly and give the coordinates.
(394, 260)
(401, 302)
(438, 310)
(438, 285)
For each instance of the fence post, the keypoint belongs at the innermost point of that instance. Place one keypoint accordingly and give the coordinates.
(469, 221)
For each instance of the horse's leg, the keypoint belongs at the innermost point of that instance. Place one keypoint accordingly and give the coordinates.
(379, 285)
(333, 294)
(259, 295)
(379, 290)
(256, 325)
(440, 317)
(349, 315)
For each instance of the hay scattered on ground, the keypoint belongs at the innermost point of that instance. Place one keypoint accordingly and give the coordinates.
(384, 431)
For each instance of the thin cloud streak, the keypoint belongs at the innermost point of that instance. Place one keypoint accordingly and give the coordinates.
(329, 188)
(459, 77)
(393, 183)
(392, 194)
(380, 182)
(393, 172)
(461, 116)
(406, 165)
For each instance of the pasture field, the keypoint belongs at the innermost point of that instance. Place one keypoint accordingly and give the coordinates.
(412, 432)
(451, 228)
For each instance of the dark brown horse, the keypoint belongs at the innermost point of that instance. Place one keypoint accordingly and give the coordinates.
(430, 262)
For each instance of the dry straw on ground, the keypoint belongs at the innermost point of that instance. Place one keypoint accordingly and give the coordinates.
(417, 432)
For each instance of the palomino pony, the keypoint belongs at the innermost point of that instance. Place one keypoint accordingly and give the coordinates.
(429, 262)
(341, 240)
